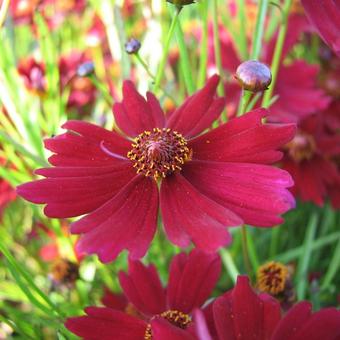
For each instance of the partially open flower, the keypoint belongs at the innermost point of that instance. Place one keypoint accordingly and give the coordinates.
(253, 76)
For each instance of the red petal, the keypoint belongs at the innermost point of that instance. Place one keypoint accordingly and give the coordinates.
(191, 280)
(257, 193)
(127, 221)
(143, 288)
(202, 219)
(135, 115)
(106, 324)
(293, 321)
(325, 16)
(68, 194)
(201, 327)
(243, 139)
(163, 330)
(198, 111)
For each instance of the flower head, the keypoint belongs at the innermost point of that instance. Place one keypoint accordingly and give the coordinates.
(191, 280)
(202, 182)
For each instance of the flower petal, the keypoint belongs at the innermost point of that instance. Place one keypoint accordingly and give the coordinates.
(202, 219)
(143, 288)
(134, 114)
(70, 192)
(191, 280)
(243, 139)
(127, 221)
(198, 111)
(164, 330)
(106, 324)
(257, 193)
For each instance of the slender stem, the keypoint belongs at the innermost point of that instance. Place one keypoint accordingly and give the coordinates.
(161, 67)
(244, 100)
(202, 73)
(259, 29)
(229, 264)
(184, 59)
(242, 36)
(277, 53)
(217, 47)
(3, 11)
(145, 66)
(102, 89)
(245, 250)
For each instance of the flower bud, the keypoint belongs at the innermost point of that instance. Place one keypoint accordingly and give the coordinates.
(132, 46)
(181, 3)
(253, 76)
(85, 69)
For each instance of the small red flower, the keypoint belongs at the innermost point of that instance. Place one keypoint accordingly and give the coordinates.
(325, 17)
(311, 158)
(202, 182)
(242, 314)
(157, 310)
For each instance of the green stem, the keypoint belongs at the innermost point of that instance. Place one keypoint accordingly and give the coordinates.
(277, 53)
(245, 251)
(202, 73)
(102, 89)
(161, 67)
(244, 100)
(184, 59)
(229, 264)
(333, 267)
(242, 36)
(217, 48)
(305, 257)
(259, 29)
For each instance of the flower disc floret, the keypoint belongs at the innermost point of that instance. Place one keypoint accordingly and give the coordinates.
(159, 152)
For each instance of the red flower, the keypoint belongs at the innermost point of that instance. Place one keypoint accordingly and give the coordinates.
(191, 280)
(33, 74)
(311, 158)
(207, 182)
(325, 17)
(241, 314)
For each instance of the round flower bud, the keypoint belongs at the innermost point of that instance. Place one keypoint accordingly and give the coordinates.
(85, 69)
(253, 76)
(132, 46)
(181, 3)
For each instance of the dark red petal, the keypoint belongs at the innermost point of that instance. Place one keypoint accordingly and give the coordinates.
(143, 288)
(68, 194)
(106, 324)
(243, 139)
(224, 319)
(325, 17)
(134, 114)
(271, 315)
(324, 325)
(127, 221)
(257, 193)
(114, 300)
(195, 109)
(191, 280)
(202, 219)
(293, 321)
(163, 330)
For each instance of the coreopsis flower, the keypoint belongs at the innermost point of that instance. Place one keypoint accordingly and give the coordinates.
(242, 314)
(312, 159)
(201, 182)
(191, 279)
(33, 75)
(325, 18)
